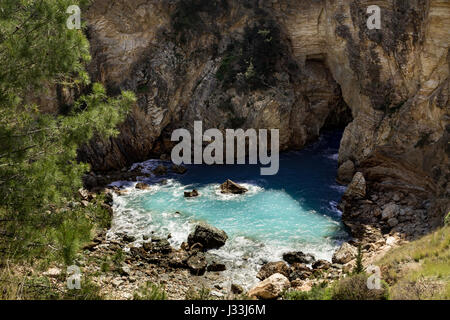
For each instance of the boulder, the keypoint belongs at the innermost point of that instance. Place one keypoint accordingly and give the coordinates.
(392, 222)
(196, 247)
(232, 187)
(236, 289)
(270, 288)
(216, 267)
(197, 264)
(356, 188)
(299, 271)
(124, 270)
(321, 265)
(147, 246)
(191, 194)
(271, 268)
(179, 169)
(208, 236)
(84, 194)
(345, 172)
(299, 257)
(178, 259)
(161, 246)
(128, 238)
(390, 211)
(109, 198)
(142, 186)
(344, 254)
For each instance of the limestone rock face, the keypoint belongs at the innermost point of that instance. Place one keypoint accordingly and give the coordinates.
(346, 172)
(271, 288)
(298, 66)
(357, 188)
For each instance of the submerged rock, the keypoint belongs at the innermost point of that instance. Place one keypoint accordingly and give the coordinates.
(298, 257)
(208, 236)
(232, 187)
(271, 268)
(191, 194)
(270, 288)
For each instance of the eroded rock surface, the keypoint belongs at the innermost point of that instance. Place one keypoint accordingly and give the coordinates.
(299, 66)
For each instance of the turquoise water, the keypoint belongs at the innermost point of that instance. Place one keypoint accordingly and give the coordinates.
(293, 210)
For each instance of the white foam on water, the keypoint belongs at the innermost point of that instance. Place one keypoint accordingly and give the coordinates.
(242, 255)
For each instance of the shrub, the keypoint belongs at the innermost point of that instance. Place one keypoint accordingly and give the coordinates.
(317, 292)
(359, 268)
(150, 291)
(354, 287)
(201, 294)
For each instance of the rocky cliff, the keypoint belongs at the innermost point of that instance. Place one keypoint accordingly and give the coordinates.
(299, 66)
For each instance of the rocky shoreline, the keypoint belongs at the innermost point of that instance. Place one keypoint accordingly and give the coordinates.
(187, 270)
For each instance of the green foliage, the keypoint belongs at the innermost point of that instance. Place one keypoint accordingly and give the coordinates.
(257, 57)
(42, 288)
(317, 292)
(354, 287)
(225, 72)
(359, 268)
(447, 219)
(200, 294)
(71, 233)
(420, 269)
(39, 171)
(187, 19)
(150, 291)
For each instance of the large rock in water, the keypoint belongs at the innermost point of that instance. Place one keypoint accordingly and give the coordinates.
(191, 194)
(232, 187)
(271, 288)
(356, 188)
(208, 236)
(344, 254)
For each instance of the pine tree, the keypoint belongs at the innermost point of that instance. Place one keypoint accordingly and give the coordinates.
(359, 268)
(39, 173)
